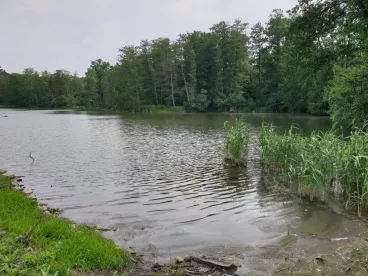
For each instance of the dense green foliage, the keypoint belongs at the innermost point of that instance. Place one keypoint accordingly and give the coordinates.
(59, 246)
(322, 164)
(237, 141)
(311, 59)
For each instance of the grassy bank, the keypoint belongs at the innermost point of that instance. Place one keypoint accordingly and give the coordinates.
(34, 242)
(322, 165)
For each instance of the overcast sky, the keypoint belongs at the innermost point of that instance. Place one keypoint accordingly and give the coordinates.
(68, 34)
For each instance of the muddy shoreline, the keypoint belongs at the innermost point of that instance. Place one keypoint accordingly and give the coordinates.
(322, 245)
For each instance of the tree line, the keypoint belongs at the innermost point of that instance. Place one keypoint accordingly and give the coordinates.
(311, 59)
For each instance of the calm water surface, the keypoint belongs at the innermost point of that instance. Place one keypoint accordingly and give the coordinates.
(159, 179)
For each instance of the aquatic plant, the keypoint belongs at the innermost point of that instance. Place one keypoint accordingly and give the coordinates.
(353, 169)
(237, 141)
(322, 165)
(279, 151)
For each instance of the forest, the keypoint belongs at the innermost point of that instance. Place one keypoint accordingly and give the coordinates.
(311, 59)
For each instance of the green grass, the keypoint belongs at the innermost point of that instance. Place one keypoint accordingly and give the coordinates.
(162, 109)
(60, 246)
(323, 164)
(237, 141)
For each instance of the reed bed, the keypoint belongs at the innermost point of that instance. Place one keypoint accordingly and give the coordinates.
(322, 165)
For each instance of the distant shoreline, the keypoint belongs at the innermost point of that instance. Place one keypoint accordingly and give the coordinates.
(117, 112)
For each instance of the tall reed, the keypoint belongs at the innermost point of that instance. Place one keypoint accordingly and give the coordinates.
(322, 165)
(237, 141)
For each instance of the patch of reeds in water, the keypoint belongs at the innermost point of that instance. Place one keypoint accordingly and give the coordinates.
(323, 164)
(237, 141)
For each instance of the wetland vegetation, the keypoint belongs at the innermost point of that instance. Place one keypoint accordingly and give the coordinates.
(322, 165)
(237, 137)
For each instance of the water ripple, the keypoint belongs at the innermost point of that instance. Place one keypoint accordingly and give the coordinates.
(163, 174)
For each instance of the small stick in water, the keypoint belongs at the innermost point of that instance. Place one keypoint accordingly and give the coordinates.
(30, 156)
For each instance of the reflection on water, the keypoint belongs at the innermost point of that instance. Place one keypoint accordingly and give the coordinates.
(159, 179)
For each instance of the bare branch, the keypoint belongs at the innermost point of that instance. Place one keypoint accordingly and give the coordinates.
(30, 156)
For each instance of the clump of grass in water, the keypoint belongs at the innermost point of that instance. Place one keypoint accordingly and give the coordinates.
(237, 141)
(323, 163)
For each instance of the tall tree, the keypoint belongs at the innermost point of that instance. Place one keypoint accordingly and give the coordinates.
(163, 59)
(276, 28)
(258, 40)
(149, 74)
(131, 83)
(4, 78)
(91, 87)
(101, 68)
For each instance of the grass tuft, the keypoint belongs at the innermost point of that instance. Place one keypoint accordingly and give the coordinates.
(237, 141)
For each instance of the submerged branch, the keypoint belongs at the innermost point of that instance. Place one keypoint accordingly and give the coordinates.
(30, 156)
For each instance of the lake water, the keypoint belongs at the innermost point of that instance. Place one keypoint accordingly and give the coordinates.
(159, 179)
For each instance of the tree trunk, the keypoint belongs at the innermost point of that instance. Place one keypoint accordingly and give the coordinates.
(186, 86)
(153, 76)
(156, 93)
(259, 67)
(172, 89)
